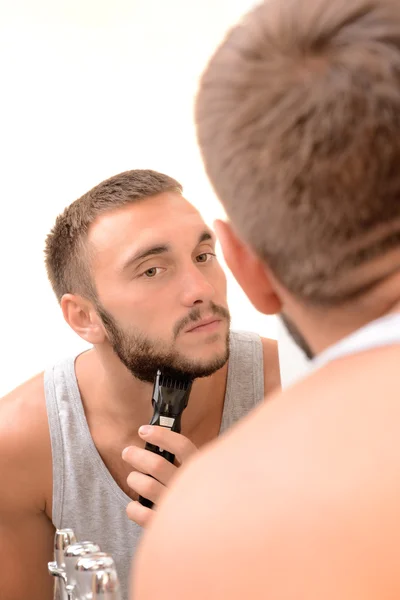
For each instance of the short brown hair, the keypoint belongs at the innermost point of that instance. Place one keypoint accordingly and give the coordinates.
(298, 120)
(66, 258)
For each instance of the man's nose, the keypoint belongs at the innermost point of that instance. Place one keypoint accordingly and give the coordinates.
(196, 288)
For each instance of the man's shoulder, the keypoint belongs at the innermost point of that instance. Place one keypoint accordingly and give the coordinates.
(270, 358)
(25, 449)
(312, 476)
(328, 458)
(21, 403)
(272, 373)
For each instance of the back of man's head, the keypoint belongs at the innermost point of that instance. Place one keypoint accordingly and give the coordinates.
(298, 119)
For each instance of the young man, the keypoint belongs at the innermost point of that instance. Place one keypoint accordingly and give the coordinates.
(298, 118)
(133, 266)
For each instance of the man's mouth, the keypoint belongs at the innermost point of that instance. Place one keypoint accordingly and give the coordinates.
(204, 325)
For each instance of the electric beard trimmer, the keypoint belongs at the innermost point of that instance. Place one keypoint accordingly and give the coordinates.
(170, 398)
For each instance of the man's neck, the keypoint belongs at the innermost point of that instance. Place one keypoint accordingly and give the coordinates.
(324, 328)
(114, 399)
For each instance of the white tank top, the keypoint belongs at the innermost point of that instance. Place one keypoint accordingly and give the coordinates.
(382, 332)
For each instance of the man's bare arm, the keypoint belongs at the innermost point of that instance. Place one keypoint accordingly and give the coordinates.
(26, 532)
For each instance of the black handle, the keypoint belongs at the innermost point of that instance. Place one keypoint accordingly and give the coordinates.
(170, 398)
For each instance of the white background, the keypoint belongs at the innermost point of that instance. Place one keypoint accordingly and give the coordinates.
(90, 88)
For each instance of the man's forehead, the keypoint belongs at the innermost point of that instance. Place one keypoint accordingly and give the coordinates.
(158, 219)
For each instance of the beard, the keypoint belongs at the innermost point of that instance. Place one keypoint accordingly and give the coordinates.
(143, 356)
(296, 336)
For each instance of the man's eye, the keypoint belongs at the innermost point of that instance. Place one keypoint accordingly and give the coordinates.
(151, 272)
(204, 257)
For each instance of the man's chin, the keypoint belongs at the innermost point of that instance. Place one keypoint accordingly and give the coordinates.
(205, 350)
(204, 366)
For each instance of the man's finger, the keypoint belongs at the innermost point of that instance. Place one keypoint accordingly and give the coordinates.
(149, 463)
(168, 440)
(145, 486)
(139, 514)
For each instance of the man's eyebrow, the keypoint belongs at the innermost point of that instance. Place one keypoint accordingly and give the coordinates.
(144, 253)
(205, 236)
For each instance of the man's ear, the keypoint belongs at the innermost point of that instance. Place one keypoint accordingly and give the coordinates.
(80, 315)
(248, 270)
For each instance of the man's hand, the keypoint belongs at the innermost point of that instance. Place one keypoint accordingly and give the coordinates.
(153, 473)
